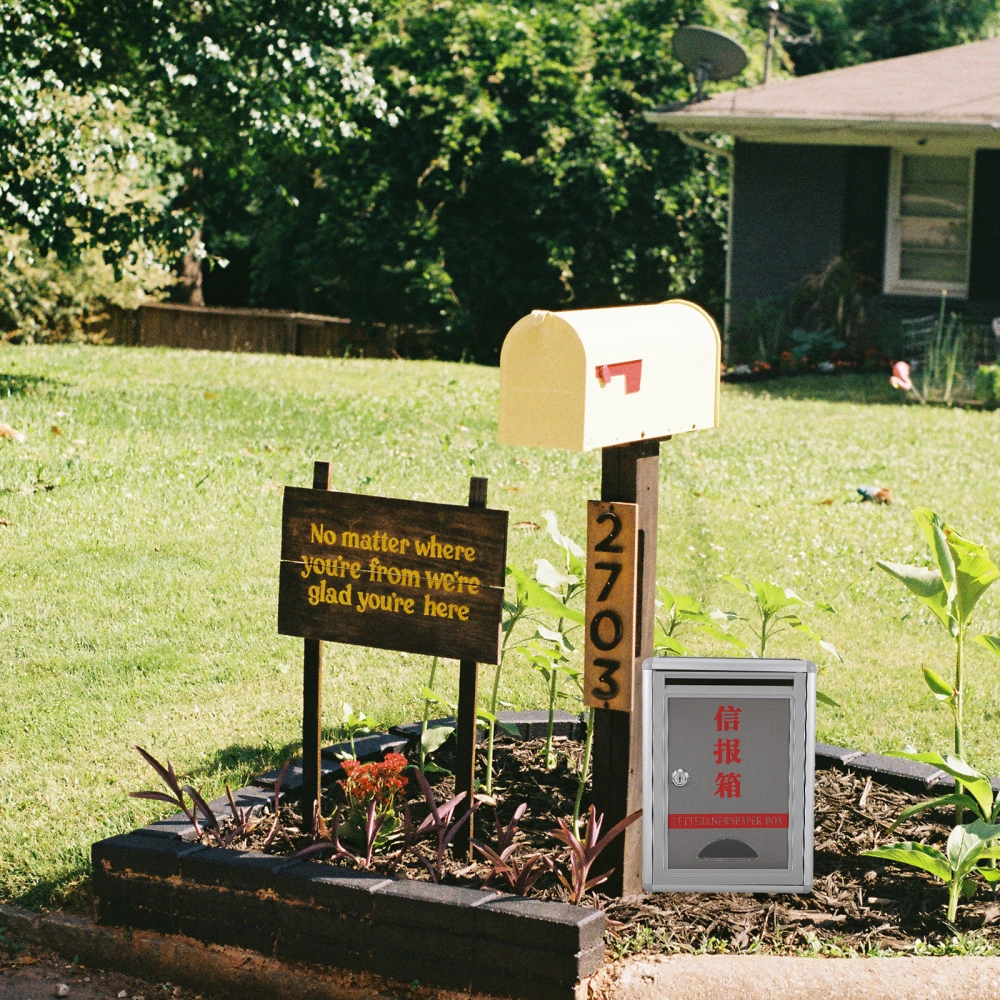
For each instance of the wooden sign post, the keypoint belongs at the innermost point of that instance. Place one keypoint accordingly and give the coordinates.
(312, 701)
(394, 574)
(629, 476)
(468, 709)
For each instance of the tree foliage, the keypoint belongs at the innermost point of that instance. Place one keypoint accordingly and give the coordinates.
(835, 33)
(80, 168)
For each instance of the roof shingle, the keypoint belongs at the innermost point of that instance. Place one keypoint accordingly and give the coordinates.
(957, 86)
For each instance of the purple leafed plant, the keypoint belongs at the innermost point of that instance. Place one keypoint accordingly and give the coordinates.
(584, 852)
(170, 780)
(438, 822)
(277, 826)
(521, 876)
(329, 842)
(242, 822)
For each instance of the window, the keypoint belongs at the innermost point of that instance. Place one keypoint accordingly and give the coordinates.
(929, 221)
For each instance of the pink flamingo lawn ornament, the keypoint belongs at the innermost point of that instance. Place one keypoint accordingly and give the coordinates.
(901, 377)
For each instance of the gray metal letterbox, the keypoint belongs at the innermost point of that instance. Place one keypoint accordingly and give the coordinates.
(728, 762)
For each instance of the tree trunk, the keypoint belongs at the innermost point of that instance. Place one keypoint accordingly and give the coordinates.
(191, 276)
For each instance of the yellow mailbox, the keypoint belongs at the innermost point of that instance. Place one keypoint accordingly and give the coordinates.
(590, 378)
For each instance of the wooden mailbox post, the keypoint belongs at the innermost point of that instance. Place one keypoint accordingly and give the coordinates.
(393, 574)
(620, 379)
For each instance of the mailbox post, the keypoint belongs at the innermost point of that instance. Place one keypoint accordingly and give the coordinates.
(621, 379)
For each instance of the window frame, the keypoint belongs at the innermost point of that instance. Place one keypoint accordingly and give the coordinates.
(893, 284)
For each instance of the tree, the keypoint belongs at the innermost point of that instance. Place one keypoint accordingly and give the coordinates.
(250, 89)
(81, 170)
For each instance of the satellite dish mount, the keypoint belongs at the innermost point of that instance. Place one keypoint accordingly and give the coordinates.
(709, 55)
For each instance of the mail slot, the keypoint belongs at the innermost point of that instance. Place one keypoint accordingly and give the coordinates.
(728, 762)
(590, 378)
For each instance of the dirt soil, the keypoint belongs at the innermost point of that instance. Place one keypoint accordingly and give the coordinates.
(28, 972)
(858, 904)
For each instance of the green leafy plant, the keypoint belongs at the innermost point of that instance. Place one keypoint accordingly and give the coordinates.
(967, 846)
(961, 572)
(975, 794)
(942, 358)
(531, 600)
(814, 345)
(947, 346)
(548, 653)
(433, 738)
(773, 613)
(677, 612)
(356, 724)
(549, 650)
(987, 388)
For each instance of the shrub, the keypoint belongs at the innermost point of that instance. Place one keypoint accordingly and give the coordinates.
(45, 298)
(988, 384)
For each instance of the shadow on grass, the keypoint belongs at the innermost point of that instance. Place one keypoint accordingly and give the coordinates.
(869, 389)
(26, 385)
(71, 891)
(239, 764)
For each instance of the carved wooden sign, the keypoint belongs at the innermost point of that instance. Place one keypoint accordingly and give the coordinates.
(610, 650)
(395, 574)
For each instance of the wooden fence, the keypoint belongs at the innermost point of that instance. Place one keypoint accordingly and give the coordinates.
(209, 328)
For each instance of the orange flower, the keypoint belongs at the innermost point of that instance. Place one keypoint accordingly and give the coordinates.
(379, 780)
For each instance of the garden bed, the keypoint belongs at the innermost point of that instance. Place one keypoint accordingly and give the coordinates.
(466, 933)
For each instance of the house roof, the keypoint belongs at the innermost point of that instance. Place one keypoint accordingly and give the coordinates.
(953, 90)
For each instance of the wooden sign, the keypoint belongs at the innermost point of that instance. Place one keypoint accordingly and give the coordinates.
(395, 574)
(610, 648)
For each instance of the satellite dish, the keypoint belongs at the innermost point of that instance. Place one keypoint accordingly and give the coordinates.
(709, 54)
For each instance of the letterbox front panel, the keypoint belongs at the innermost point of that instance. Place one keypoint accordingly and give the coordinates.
(728, 749)
(733, 808)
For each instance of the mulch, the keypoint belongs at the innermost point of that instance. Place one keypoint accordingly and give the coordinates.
(858, 904)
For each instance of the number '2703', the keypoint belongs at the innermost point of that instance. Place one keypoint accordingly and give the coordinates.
(609, 651)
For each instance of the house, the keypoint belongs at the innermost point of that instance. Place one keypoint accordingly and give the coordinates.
(895, 164)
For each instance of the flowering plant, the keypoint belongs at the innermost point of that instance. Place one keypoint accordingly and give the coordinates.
(379, 782)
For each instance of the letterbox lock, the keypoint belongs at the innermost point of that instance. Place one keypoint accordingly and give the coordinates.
(680, 777)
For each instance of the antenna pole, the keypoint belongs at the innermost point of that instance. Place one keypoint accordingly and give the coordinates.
(772, 28)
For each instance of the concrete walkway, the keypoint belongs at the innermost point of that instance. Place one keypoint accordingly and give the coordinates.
(739, 977)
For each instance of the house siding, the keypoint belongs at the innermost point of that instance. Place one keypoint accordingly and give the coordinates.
(788, 218)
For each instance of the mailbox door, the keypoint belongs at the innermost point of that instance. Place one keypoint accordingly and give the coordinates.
(728, 781)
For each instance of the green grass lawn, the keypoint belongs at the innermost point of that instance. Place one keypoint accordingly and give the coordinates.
(140, 568)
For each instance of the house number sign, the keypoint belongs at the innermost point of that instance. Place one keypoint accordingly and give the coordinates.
(610, 647)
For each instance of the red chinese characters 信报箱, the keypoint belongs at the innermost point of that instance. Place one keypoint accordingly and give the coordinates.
(727, 751)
